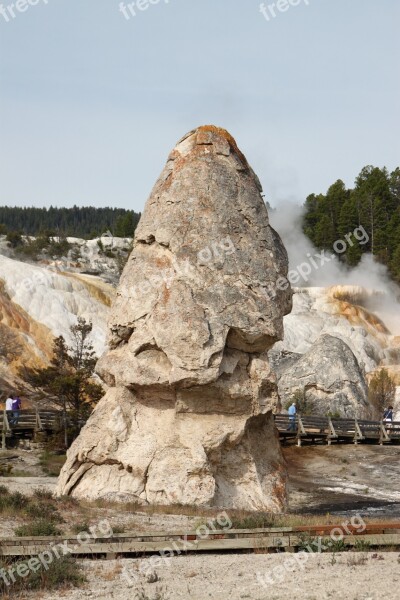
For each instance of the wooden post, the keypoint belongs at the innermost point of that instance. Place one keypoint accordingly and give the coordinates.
(300, 429)
(38, 421)
(332, 432)
(3, 433)
(383, 435)
(6, 429)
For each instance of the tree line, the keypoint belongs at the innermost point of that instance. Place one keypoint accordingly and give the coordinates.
(79, 221)
(373, 202)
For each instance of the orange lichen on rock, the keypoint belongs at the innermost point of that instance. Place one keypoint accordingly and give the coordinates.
(226, 136)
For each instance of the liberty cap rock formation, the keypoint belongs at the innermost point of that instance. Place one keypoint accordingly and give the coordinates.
(188, 415)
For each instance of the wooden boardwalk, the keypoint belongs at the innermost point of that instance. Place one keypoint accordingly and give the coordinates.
(328, 430)
(303, 429)
(288, 539)
(29, 423)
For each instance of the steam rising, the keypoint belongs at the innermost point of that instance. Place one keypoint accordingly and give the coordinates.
(382, 295)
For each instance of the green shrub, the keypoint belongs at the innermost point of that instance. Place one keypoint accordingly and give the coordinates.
(254, 521)
(60, 248)
(303, 405)
(306, 542)
(15, 501)
(68, 501)
(116, 529)
(43, 494)
(52, 463)
(79, 527)
(37, 528)
(14, 239)
(39, 506)
(337, 546)
(362, 546)
(61, 573)
(5, 469)
(44, 510)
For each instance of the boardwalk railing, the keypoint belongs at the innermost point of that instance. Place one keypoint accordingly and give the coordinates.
(340, 430)
(29, 422)
(288, 539)
(312, 428)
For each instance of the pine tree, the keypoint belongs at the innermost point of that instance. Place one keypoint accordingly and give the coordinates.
(68, 381)
(374, 204)
(381, 390)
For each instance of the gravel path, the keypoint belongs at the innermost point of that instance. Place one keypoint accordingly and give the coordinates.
(347, 576)
(27, 485)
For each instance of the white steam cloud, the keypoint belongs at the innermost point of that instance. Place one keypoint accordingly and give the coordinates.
(286, 218)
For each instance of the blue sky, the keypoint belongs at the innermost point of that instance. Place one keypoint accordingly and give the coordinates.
(91, 103)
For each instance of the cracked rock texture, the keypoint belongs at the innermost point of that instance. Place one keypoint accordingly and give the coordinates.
(188, 415)
(330, 376)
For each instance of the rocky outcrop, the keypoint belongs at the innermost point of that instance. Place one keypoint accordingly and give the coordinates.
(328, 375)
(50, 302)
(188, 416)
(343, 312)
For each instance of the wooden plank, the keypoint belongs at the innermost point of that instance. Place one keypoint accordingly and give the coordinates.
(149, 535)
(386, 539)
(122, 547)
(163, 536)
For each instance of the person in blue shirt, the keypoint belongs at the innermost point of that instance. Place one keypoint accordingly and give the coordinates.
(16, 407)
(292, 417)
(388, 416)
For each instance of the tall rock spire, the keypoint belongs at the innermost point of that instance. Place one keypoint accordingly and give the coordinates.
(188, 415)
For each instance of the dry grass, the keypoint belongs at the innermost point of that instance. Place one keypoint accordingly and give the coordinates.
(191, 574)
(135, 507)
(61, 574)
(112, 573)
(240, 519)
(52, 463)
(355, 560)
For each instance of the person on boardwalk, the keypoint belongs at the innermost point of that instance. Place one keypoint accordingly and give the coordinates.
(16, 407)
(292, 417)
(9, 404)
(388, 416)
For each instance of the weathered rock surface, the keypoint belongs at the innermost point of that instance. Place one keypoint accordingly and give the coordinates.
(188, 416)
(330, 376)
(343, 312)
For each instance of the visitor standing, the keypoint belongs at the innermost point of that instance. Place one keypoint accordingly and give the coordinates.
(9, 405)
(16, 407)
(292, 417)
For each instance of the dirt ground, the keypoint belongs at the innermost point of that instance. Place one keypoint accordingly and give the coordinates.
(240, 576)
(343, 478)
(321, 478)
(338, 479)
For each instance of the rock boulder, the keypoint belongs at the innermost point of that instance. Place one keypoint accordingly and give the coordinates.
(329, 376)
(188, 415)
